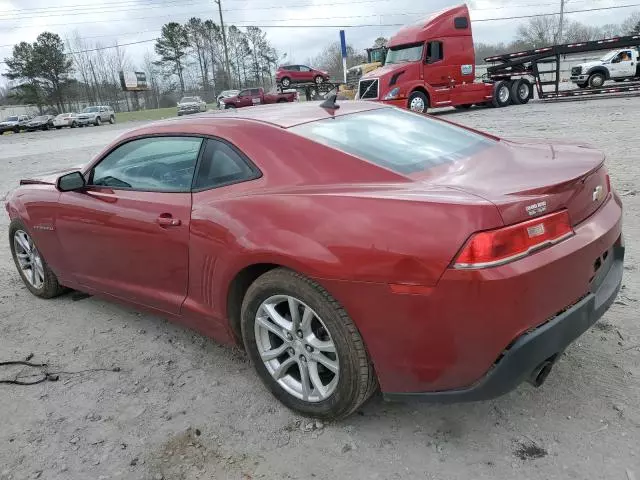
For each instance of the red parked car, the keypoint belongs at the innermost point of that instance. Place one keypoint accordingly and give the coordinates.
(345, 249)
(288, 74)
(251, 97)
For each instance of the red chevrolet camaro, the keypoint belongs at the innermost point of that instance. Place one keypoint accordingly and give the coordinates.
(346, 248)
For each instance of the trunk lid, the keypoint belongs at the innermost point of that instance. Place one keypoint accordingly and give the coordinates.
(528, 178)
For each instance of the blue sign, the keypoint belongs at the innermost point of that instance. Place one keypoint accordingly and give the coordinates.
(343, 44)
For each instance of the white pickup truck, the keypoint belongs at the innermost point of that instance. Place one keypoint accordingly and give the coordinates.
(617, 65)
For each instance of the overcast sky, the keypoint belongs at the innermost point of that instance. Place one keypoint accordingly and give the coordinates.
(136, 20)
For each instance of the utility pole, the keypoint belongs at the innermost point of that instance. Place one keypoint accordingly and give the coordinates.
(224, 44)
(559, 39)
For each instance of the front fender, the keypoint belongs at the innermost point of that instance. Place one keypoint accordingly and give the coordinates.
(600, 69)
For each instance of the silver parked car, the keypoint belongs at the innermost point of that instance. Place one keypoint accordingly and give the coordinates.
(65, 120)
(96, 116)
(191, 105)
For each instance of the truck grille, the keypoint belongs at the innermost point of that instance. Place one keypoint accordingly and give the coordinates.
(368, 89)
(352, 78)
(576, 71)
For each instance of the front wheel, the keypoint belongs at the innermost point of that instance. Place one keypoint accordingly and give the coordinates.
(35, 273)
(285, 82)
(319, 80)
(304, 346)
(418, 102)
(596, 80)
(112, 119)
(98, 122)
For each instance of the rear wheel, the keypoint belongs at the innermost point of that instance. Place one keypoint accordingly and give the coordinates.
(521, 91)
(304, 346)
(418, 102)
(16, 130)
(35, 273)
(98, 122)
(58, 128)
(285, 82)
(318, 80)
(596, 80)
(501, 94)
(74, 125)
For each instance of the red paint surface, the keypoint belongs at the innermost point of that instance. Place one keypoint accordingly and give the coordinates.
(360, 230)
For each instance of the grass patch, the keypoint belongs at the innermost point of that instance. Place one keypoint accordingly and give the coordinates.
(150, 115)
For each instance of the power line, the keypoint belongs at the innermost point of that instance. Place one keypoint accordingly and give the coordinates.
(113, 7)
(247, 23)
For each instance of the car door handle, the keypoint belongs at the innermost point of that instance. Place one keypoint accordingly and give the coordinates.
(166, 220)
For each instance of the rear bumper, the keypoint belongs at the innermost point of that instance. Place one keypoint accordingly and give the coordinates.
(543, 344)
(450, 336)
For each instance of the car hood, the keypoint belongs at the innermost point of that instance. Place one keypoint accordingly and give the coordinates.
(587, 65)
(87, 115)
(48, 178)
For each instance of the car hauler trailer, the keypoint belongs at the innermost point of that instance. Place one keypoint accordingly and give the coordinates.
(536, 63)
(431, 64)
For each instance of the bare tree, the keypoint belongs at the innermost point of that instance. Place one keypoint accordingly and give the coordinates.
(539, 31)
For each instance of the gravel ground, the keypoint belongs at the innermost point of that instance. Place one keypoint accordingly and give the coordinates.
(183, 407)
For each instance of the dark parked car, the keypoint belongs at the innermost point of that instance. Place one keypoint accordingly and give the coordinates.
(288, 74)
(345, 249)
(42, 122)
(14, 124)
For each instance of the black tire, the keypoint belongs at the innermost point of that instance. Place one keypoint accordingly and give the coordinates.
(282, 100)
(501, 94)
(58, 128)
(50, 287)
(619, 80)
(466, 106)
(98, 121)
(418, 102)
(16, 130)
(521, 90)
(582, 85)
(229, 107)
(74, 124)
(112, 119)
(356, 381)
(285, 82)
(597, 79)
(319, 80)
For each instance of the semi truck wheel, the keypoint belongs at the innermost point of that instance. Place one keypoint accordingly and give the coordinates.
(501, 94)
(521, 91)
(418, 102)
(596, 80)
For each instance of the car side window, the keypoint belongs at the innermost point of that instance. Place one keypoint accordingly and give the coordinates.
(293, 68)
(164, 164)
(220, 165)
(255, 91)
(304, 69)
(244, 93)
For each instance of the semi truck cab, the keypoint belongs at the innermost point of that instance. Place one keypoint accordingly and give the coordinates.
(429, 64)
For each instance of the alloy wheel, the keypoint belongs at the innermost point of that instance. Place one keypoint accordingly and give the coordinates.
(296, 348)
(29, 260)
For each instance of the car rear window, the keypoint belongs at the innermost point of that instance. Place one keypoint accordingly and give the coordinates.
(401, 141)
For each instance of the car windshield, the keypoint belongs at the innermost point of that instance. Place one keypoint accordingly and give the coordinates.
(12, 119)
(609, 56)
(401, 141)
(189, 100)
(91, 110)
(404, 53)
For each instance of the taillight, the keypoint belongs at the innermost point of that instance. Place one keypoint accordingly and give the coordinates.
(608, 184)
(497, 247)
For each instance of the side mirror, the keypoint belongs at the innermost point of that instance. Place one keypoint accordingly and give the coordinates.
(71, 182)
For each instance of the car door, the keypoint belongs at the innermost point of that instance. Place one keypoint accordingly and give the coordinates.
(256, 96)
(305, 74)
(294, 72)
(244, 98)
(127, 233)
(623, 65)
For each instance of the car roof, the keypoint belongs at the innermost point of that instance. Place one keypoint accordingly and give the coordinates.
(284, 115)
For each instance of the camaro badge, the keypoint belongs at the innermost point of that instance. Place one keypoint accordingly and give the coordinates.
(598, 193)
(536, 208)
